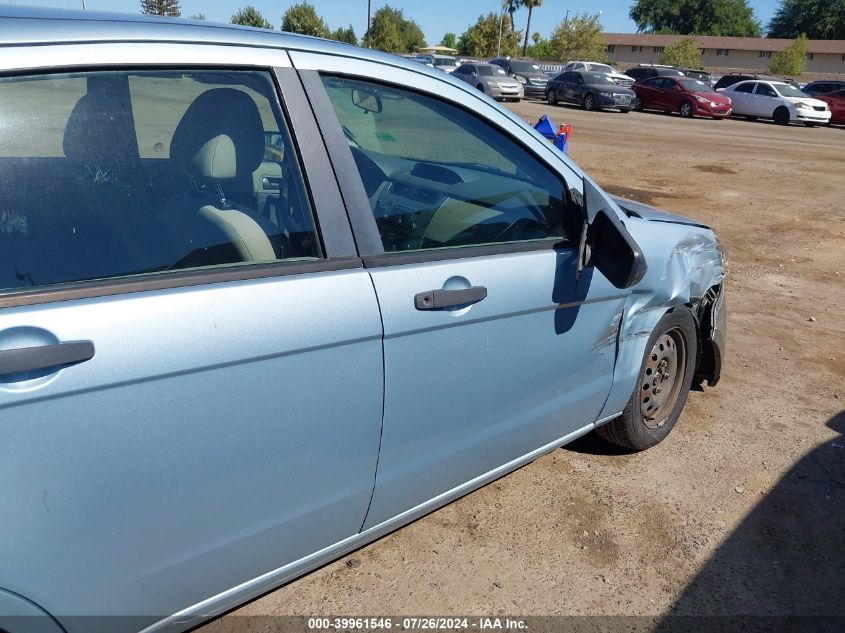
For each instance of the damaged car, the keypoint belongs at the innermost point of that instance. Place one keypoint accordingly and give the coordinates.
(265, 298)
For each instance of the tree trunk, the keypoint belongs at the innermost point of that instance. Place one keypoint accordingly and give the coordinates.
(527, 31)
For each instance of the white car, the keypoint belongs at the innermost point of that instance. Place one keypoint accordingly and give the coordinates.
(446, 63)
(776, 100)
(623, 80)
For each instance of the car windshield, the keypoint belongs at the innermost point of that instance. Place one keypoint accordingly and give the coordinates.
(600, 68)
(524, 67)
(786, 90)
(693, 85)
(490, 71)
(598, 78)
(440, 61)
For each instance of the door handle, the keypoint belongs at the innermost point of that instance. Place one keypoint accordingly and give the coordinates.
(26, 359)
(434, 299)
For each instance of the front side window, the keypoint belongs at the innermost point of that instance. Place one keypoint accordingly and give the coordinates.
(115, 174)
(766, 90)
(438, 176)
(749, 87)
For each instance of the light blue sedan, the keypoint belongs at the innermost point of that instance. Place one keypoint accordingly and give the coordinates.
(266, 298)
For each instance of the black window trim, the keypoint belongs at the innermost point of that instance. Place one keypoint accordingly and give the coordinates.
(363, 221)
(330, 217)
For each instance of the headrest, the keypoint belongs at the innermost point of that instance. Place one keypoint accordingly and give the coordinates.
(217, 158)
(101, 133)
(221, 113)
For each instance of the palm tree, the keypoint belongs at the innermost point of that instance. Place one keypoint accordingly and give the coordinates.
(511, 7)
(530, 5)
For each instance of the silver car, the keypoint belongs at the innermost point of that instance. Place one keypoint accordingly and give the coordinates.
(492, 80)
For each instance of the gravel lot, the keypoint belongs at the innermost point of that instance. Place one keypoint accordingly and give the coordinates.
(741, 511)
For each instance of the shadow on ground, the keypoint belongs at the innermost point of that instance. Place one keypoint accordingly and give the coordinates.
(783, 568)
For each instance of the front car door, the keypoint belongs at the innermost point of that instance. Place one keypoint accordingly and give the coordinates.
(766, 100)
(191, 388)
(493, 347)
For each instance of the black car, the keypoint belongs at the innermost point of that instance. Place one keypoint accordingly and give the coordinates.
(701, 75)
(734, 78)
(592, 91)
(640, 73)
(527, 73)
(823, 86)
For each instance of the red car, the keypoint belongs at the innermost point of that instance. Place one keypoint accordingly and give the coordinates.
(687, 96)
(836, 101)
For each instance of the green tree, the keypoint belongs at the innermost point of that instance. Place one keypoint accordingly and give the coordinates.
(345, 35)
(541, 48)
(302, 18)
(169, 8)
(818, 19)
(450, 40)
(579, 38)
(733, 18)
(481, 39)
(682, 54)
(791, 61)
(391, 31)
(198, 16)
(250, 16)
(530, 5)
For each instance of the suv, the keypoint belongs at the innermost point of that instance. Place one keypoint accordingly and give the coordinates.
(527, 73)
(823, 86)
(701, 75)
(642, 72)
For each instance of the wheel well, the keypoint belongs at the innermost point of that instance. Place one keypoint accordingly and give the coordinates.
(708, 363)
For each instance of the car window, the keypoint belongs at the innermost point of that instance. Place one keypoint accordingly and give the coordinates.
(599, 68)
(524, 67)
(491, 71)
(597, 78)
(112, 174)
(747, 87)
(787, 90)
(766, 90)
(438, 176)
(693, 85)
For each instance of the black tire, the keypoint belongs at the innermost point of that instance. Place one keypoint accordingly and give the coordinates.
(686, 110)
(625, 110)
(589, 102)
(551, 98)
(638, 429)
(810, 123)
(750, 118)
(781, 116)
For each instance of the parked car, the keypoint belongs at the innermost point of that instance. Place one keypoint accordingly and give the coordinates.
(590, 90)
(726, 81)
(533, 79)
(776, 100)
(823, 86)
(639, 73)
(621, 79)
(688, 97)
(446, 63)
(701, 75)
(492, 80)
(836, 103)
(221, 368)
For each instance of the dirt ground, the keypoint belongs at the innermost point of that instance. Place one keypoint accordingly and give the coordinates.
(741, 511)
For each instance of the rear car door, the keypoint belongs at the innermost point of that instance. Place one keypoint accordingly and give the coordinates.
(742, 98)
(493, 347)
(191, 388)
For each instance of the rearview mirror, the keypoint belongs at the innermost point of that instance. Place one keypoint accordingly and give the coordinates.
(367, 100)
(607, 245)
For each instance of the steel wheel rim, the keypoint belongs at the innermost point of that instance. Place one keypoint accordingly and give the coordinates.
(552, 97)
(588, 103)
(663, 378)
(686, 110)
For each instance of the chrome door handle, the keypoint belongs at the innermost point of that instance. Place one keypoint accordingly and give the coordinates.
(25, 359)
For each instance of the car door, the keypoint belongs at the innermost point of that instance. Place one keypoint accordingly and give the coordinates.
(647, 92)
(494, 347)
(766, 100)
(742, 97)
(565, 85)
(190, 389)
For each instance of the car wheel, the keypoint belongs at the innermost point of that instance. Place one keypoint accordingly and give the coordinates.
(810, 123)
(625, 110)
(662, 387)
(551, 98)
(781, 116)
(589, 102)
(686, 110)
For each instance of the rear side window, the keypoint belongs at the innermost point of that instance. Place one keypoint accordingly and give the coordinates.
(115, 174)
(749, 87)
(438, 176)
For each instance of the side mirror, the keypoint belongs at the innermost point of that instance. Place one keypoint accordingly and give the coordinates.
(606, 243)
(367, 100)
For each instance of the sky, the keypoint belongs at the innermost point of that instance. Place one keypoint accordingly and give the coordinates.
(435, 17)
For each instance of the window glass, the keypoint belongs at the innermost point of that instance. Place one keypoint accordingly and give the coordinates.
(749, 87)
(524, 67)
(597, 79)
(693, 85)
(766, 90)
(491, 71)
(438, 176)
(111, 174)
(787, 90)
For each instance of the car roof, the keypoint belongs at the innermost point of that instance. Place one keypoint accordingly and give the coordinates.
(21, 25)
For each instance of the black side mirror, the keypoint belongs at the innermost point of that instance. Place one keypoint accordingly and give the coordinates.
(367, 100)
(607, 245)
